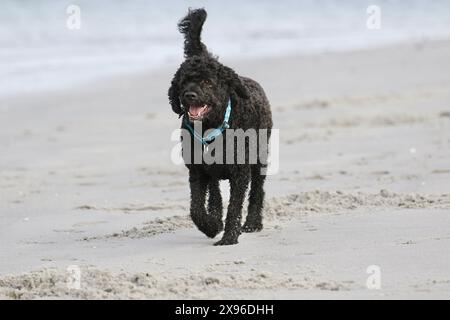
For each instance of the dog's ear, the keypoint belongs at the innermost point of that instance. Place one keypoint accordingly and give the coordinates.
(235, 82)
(174, 94)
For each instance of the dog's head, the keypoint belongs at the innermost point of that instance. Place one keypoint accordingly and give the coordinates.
(202, 86)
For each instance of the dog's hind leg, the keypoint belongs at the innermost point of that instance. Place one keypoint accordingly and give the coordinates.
(253, 223)
(198, 183)
(238, 187)
(215, 208)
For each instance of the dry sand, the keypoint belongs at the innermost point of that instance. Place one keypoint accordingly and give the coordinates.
(86, 180)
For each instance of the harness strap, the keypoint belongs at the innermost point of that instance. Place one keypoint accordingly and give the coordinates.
(214, 133)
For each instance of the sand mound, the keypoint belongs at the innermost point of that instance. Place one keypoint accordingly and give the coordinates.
(295, 205)
(326, 201)
(96, 284)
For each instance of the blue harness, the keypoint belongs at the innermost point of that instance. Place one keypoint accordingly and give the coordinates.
(214, 133)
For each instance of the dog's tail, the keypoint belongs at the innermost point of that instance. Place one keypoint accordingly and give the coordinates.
(191, 27)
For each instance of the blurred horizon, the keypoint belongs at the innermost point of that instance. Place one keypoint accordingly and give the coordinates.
(39, 52)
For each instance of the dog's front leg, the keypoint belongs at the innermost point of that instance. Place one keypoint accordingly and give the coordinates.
(215, 209)
(198, 183)
(239, 182)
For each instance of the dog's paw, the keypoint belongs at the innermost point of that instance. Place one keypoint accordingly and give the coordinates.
(210, 232)
(212, 228)
(251, 227)
(226, 241)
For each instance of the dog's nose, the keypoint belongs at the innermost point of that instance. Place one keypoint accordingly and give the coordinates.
(190, 95)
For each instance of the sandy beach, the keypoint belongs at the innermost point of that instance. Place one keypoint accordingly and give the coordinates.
(363, 181)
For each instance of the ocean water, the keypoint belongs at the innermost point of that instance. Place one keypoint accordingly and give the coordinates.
(39, 52)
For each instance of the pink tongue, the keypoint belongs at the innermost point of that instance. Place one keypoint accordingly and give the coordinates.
(195, 111)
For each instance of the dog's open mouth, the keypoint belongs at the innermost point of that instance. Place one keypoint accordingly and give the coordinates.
(197, 112)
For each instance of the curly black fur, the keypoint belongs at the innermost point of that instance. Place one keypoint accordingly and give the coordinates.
(191, 26)
(203, 80)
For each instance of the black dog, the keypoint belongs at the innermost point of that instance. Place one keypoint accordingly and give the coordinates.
(202, 90)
